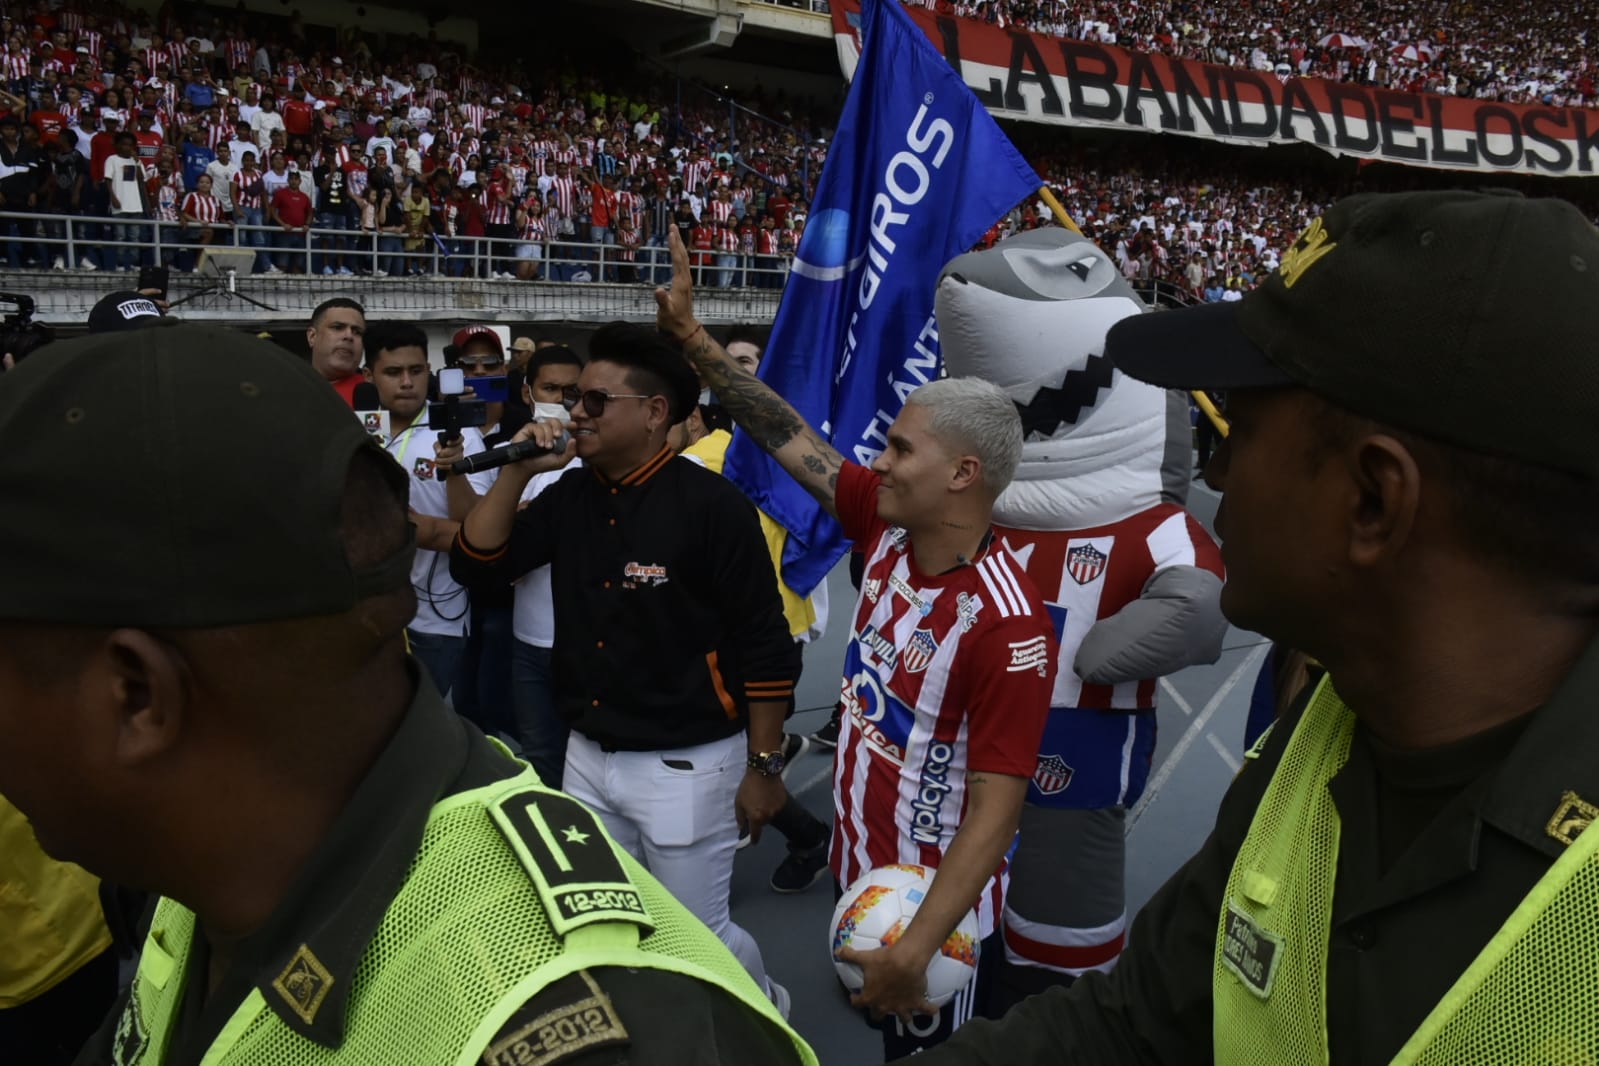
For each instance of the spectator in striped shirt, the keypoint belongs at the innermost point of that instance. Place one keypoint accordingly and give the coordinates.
(204, 221)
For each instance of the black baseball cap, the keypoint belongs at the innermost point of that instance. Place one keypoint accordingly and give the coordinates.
(186, 477)
(123, 310)
(1462, 316)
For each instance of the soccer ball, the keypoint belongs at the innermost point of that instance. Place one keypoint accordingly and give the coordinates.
(874, 913)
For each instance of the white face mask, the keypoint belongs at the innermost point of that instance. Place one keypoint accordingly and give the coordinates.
(542, 411)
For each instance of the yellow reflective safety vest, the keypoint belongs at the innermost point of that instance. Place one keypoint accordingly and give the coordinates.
(799, 611)
(1513, 1006)
(514, 887)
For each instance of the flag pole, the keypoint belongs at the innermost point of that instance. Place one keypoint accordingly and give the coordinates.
(1206, 405)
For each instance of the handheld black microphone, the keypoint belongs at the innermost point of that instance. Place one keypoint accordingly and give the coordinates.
(366, 397)
(508, 453)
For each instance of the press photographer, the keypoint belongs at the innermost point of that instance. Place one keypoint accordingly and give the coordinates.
(397, 365)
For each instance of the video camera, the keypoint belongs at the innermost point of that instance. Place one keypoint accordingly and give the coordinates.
(20, 335)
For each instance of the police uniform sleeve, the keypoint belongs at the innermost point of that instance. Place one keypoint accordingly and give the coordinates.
(1155, 1006)
(608, 1016)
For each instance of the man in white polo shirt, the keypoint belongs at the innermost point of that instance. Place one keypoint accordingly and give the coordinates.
(397, 363)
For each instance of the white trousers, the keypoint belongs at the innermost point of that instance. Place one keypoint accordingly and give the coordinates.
(673, 812)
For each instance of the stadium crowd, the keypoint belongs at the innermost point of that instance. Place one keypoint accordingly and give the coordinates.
(235, 131)
(328, 157)
(1485, 49)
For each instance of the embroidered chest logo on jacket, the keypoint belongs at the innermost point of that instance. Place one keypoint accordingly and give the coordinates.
(636, 574)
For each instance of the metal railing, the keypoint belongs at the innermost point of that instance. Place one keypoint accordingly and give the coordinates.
(815, 7)
(127, 242)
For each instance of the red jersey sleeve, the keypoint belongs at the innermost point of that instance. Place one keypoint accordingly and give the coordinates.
(1007, 695)
(855, 500)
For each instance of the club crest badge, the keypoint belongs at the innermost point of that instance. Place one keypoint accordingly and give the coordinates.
(1085, 563)
(919, 652)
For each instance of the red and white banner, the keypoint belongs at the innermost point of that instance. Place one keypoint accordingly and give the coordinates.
(1034, 78)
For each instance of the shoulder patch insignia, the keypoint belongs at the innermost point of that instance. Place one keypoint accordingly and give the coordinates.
(563, 1020)
(1571, 818)
(1249, 952)
(570, 860)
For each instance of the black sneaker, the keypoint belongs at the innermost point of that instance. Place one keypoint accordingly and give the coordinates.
(827, 736)
(794, 746)
(800, 870)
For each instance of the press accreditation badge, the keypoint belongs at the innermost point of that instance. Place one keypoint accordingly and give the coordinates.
(1249, 951)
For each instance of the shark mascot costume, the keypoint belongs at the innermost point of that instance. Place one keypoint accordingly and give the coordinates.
(1131, 580)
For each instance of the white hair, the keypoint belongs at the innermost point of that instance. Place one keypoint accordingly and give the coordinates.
(975, 417)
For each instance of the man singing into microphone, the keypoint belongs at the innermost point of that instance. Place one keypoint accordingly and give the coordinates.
(673, 661)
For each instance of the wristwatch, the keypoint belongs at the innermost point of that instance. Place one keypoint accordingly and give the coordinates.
(767, 763)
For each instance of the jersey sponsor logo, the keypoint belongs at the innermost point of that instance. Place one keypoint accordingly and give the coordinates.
(967, 607)
(636, 574)
(873, 589)
(1249, 951)
(881, 647)
(1085, 563)
(919, 651)
(1028, 655)
(927, 819)
(910, 595)
(884, 721)
(423, 468)
(899, 537)
(1052, 775)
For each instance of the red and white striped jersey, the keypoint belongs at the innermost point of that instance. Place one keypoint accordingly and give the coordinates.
(239, 52)
(202, 207)
(472, 115)
(93, 41)
(1089, 574)
(539, 155)
(721, 210)
(943, 675)
(16, 65)
(533, 229)
(726, 239)
(564, 192)
(696, 173)
(499, 209)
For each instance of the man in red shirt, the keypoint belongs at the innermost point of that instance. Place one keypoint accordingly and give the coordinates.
(335, 337)
(291, 210)
(298, 113)
(601, 215)
(149, 142)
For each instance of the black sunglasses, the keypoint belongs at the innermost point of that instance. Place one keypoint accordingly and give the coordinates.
(594, 400)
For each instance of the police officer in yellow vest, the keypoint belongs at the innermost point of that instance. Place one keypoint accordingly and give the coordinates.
(1401, 874)
(204, 691)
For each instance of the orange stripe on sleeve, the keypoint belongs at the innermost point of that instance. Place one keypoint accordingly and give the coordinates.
(726, 698)
(473, 553)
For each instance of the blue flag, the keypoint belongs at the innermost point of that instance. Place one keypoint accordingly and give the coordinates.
(916, 175)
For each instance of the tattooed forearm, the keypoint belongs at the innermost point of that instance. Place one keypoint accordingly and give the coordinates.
(766, 416)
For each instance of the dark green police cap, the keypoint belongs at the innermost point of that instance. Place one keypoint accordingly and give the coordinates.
(183, 478)
(1467, 317)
